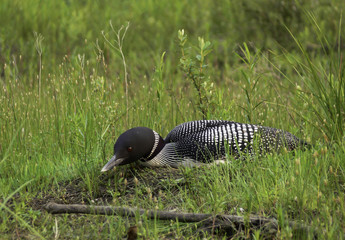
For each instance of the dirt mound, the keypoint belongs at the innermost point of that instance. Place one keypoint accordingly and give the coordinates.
(122, 182)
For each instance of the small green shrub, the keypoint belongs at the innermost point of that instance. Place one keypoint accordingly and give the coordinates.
(195, 70)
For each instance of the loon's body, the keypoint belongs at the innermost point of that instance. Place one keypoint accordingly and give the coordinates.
(199, 142)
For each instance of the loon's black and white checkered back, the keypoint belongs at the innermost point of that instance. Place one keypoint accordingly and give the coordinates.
(206, 140)
(186, 129)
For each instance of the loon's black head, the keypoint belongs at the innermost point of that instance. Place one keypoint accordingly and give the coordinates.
(132, 145)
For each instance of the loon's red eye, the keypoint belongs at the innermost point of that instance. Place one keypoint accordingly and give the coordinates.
(129, 149)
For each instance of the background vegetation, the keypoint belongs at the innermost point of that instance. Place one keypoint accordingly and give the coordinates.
(63, 102)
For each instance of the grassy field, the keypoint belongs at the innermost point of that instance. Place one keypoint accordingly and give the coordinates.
(71, 82)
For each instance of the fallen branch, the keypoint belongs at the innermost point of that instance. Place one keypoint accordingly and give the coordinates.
(220, 220)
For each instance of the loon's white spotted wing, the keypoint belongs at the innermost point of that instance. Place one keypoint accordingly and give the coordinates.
(206, 140)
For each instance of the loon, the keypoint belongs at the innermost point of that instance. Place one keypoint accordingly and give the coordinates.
(199, 142)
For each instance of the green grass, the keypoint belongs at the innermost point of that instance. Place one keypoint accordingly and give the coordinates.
(63, 103)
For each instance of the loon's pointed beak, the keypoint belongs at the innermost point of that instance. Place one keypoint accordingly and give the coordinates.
(112, 163)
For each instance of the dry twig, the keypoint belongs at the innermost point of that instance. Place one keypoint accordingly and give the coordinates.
(221, 221)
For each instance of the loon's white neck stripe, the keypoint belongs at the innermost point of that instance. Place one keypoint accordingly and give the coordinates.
(155, 144)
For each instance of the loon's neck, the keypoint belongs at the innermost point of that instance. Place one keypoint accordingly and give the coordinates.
(157, 147)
